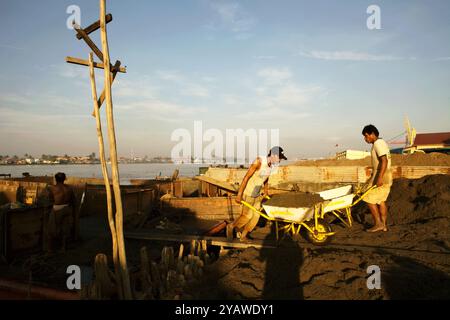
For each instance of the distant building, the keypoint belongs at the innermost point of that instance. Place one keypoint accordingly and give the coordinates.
(352, 155)
(430, 142)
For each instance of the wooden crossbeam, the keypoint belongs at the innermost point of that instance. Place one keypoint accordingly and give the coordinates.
(95, 26)
(98, 65)
(210, 240)
(102, 96)
(89, 42)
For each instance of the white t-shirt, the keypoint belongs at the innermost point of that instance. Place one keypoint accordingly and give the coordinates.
(380, 148)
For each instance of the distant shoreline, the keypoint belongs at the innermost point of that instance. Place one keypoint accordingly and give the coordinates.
(66, 164)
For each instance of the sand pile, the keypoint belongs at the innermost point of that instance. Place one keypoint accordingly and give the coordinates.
(325, 273)
(416, 201)
(416, 159)
(412, 256)
(294, 200)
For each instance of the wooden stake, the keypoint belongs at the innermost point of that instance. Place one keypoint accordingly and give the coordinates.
(101, 147)
(113, 156)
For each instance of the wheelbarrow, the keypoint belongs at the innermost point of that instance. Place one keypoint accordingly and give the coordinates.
(340, 202)
(289, 221)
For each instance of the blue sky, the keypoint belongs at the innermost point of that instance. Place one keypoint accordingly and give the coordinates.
(312, 69)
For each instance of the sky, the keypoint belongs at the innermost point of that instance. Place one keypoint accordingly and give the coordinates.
(311, 69)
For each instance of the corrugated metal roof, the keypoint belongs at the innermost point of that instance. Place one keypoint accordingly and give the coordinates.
(432, 138)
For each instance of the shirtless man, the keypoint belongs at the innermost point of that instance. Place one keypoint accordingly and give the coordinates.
(250, 191)
(61, 216)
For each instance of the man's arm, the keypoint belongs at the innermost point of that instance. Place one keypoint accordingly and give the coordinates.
(266, 188)
(382, 165)
(255, 166)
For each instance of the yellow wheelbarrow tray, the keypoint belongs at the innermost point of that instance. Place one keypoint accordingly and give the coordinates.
(318, 230)
(341, 206)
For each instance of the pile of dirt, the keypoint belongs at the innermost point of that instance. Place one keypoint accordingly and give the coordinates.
(416, 159)
(412, 256)
(326, 273)
(416, 201)
(294, 200)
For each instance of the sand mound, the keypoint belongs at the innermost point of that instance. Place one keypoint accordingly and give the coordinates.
(412, 256)
(416, 159)
(294, 200)
(413, 201)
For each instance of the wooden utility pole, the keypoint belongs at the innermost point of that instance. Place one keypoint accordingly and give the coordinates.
(113, 155)
(101, 147)
(115, 221)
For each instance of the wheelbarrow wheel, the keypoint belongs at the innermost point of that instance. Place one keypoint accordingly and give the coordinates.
(317, 237)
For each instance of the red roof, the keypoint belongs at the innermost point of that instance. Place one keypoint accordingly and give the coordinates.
(432, 138)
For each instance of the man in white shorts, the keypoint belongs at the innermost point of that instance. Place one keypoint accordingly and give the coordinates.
(381, 177)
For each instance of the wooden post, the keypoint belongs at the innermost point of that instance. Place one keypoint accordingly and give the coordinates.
(113, 156)
(101, 147)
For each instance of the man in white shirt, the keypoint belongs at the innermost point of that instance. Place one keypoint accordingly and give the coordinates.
(381, 177)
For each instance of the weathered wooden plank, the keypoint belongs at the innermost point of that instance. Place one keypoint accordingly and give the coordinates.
(214, 241)
(98, 65)
(95, 26)
(89, 42)
(221, 184)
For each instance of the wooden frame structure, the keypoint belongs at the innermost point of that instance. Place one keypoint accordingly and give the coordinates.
(110, 71)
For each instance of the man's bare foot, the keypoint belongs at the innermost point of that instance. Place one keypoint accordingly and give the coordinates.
(385, 229)
(376, 228)
(243, 239)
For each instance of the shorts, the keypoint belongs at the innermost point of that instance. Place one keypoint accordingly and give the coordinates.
(378, 195)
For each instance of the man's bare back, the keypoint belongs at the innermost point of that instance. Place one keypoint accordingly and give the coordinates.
(62, 194)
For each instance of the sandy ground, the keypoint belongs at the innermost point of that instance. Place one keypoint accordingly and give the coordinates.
(413, 256)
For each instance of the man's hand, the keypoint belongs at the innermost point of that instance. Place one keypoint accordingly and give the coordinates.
(379, 182)
(238, 198)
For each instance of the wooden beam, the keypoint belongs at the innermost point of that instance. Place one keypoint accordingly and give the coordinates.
(98, 65)
(102, 96)
(95, 26)
(89, 42)
(221, 184)
(214, 241)
(216, 229)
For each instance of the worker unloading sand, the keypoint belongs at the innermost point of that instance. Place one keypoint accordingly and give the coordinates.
(381, 177)
(253, 189)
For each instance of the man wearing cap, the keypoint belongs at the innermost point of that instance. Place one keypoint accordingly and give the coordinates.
(251, 189)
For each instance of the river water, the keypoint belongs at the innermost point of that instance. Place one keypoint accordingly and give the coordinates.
(126, 171)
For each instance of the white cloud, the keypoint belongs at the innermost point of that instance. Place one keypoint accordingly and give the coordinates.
(347, 56)
(442, 59)
(233, 16)
(162, 110)
(275, 75)
(135, 89)
(277, 115)
(264, 57)
(195, 90)
(186, 86)
(170, 75)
